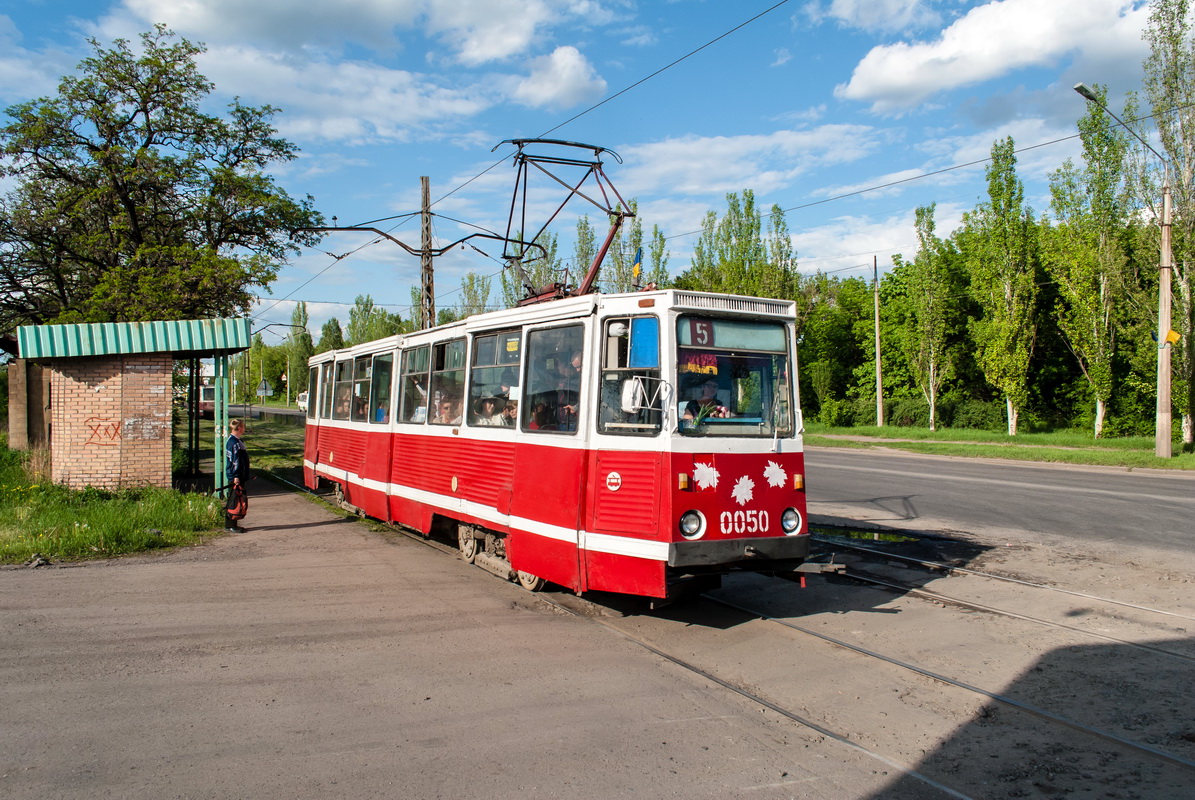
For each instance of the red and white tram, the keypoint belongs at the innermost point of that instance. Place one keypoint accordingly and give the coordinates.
(643, 443)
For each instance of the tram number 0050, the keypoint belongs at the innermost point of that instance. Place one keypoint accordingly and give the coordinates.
(745, 522)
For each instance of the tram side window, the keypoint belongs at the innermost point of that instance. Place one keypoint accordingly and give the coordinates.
(414, 391)
(448, 382)
(494, 379)
(379, 392)
(312, 391)
(362, 372)
(344, 390)
(326, 382)
(631, 389)
(552, 394)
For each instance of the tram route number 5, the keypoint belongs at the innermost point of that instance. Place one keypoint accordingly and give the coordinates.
(701, 332)
(745, 521)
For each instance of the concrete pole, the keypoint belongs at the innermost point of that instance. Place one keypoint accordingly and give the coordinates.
(1162, 432)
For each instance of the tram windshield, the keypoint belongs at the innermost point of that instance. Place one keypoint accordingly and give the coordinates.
(733, 378)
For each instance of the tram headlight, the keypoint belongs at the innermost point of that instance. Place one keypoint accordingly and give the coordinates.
(790, 521)
(692, 525)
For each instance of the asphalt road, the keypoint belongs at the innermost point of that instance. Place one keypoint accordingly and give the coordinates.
(1146, 508)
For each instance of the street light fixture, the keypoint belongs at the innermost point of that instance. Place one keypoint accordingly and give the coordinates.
(1162, 429)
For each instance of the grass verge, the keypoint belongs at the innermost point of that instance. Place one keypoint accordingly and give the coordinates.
(1063, 447)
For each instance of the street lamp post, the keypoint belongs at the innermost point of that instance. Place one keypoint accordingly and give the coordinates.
(1162, 429)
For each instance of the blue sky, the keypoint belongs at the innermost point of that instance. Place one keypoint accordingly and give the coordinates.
(814, 99)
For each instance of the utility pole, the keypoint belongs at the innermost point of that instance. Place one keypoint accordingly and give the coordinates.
(1162, 422)
(425, 255)
(875, 271)
(1162, 434)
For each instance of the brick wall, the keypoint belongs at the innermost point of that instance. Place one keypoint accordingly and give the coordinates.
(111, 421)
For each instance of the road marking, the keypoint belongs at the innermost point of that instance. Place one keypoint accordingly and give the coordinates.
(939, 476)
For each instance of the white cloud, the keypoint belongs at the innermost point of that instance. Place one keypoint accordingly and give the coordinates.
(283, 22)
(562, 79)
(27, 73)
(783, 56)
(348, 101)
(473, 31)
(990, 41)
(693, 165)
(876, 15)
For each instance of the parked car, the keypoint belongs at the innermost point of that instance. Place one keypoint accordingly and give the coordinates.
(301, 402)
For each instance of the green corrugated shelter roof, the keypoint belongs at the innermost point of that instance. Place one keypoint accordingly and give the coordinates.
(184, 338)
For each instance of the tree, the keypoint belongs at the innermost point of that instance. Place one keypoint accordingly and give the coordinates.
(299, 349)
(330, 336)
(999, 243)
(923, 337)
(1083, 254)
(1170, 87)
(657, 258)
(368, 322)
(131, 203)
(475, 295)
(584, 246)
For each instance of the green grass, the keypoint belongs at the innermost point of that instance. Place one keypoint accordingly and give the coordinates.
(1066, 447)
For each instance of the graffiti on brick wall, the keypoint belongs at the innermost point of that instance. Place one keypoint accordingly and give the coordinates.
(102, 431)
(146, 429)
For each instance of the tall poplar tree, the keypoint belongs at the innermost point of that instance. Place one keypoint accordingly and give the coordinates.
(1083, 254)
(999, 242)
(923, 338)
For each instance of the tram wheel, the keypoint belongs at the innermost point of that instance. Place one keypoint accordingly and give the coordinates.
(532, 583)
(467, 543)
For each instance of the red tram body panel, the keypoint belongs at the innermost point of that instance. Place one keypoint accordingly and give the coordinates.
(644, 443)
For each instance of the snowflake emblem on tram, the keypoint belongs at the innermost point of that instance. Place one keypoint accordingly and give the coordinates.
(742, 491)
(775, 474)
(705, 475)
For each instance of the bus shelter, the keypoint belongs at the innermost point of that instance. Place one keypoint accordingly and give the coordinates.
(112, 394)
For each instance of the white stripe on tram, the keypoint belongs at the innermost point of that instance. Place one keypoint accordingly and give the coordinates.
(585, 540)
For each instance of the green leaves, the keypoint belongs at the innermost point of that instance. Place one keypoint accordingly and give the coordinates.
(132, 203)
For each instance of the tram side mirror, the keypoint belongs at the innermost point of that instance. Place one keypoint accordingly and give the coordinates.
(633, 396)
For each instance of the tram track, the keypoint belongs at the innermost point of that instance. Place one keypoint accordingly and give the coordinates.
(1028, 708)
(941, 566)
(904, 587)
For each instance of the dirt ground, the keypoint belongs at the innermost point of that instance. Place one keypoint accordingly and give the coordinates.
(315, 657)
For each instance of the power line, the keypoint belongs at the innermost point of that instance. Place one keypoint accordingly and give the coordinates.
(623, 91)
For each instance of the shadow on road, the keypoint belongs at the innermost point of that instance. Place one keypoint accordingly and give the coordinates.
(1115, 689)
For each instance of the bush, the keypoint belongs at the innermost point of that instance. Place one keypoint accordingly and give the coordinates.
(837, 413)
(983, 415)
(908, 412)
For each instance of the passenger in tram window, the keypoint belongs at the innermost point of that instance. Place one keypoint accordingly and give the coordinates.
(510, 414)
(486, 412)
(508, 381)
(342, 403)
(540, 417)
(568, 393)
(450, 412)
(382, 414)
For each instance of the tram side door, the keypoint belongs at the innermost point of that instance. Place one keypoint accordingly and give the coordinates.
(551, 457)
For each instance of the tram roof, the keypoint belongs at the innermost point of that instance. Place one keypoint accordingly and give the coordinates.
(582, 306)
